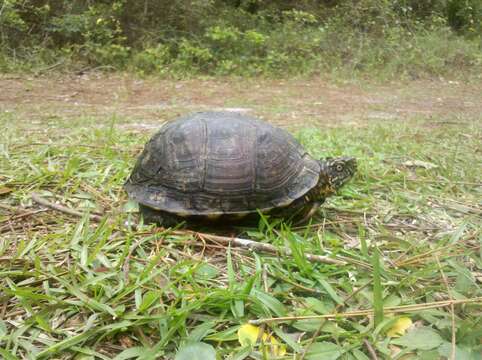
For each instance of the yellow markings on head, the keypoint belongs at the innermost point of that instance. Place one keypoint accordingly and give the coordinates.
(327, 190)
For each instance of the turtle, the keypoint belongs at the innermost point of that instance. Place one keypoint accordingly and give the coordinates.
(224, 166)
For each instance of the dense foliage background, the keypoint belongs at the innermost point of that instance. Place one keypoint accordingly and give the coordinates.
(245, 37)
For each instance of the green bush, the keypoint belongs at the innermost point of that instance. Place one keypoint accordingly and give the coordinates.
(465, 16)
(192, 57)
(245, 37)
(152, 60)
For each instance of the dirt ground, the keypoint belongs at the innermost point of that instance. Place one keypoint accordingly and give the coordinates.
(292, 103)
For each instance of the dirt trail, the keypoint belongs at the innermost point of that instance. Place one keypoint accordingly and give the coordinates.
(298, 102)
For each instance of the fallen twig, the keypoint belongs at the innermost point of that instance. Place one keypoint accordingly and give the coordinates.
(259, 246)
(22, 215)
(9, 227)
(40, 200)
(387, 310)
(370, 349)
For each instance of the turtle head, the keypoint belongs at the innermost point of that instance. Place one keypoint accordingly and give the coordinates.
(337, 171)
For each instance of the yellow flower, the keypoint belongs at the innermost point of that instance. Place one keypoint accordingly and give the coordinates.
(249, 335)
(400, 327)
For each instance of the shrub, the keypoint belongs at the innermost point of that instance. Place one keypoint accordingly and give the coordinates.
(245, 37)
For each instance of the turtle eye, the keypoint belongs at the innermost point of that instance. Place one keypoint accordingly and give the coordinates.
(339, 168)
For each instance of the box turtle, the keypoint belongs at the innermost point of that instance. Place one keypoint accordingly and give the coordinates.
(225, 165)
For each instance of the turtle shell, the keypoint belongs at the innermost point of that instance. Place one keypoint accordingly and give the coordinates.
(212, 163)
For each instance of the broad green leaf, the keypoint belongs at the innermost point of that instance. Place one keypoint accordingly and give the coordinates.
(237, 308)
(465, 282)
(148, 299)
(297, 250)
(309, 325)
(196, 351)
(200, 331)
(318, 306)
(384, 326)
(358, 355)
(287, 339)
(419, 339)
(249, 284)
(270, 302)
(391, 300)
(131, 353)
(229, 334)
(43, 323)
(207, 271)
(429, 355)
(460, 354)
(241, 354)
(329, 289)
(324, 351)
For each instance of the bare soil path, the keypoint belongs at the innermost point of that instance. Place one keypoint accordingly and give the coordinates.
(293, 103)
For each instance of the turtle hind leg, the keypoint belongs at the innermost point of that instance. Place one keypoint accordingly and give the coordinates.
(162, 218)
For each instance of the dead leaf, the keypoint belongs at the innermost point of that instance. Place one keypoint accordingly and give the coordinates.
(5, 190)
(126, 341)
(394, 350)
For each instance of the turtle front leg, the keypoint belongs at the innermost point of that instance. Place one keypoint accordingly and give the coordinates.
(308, 211)
(162, 218)
(297, 213)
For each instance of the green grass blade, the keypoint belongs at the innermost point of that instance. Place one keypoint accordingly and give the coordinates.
(377, 288)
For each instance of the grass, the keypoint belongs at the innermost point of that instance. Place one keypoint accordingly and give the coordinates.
(412, 211)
